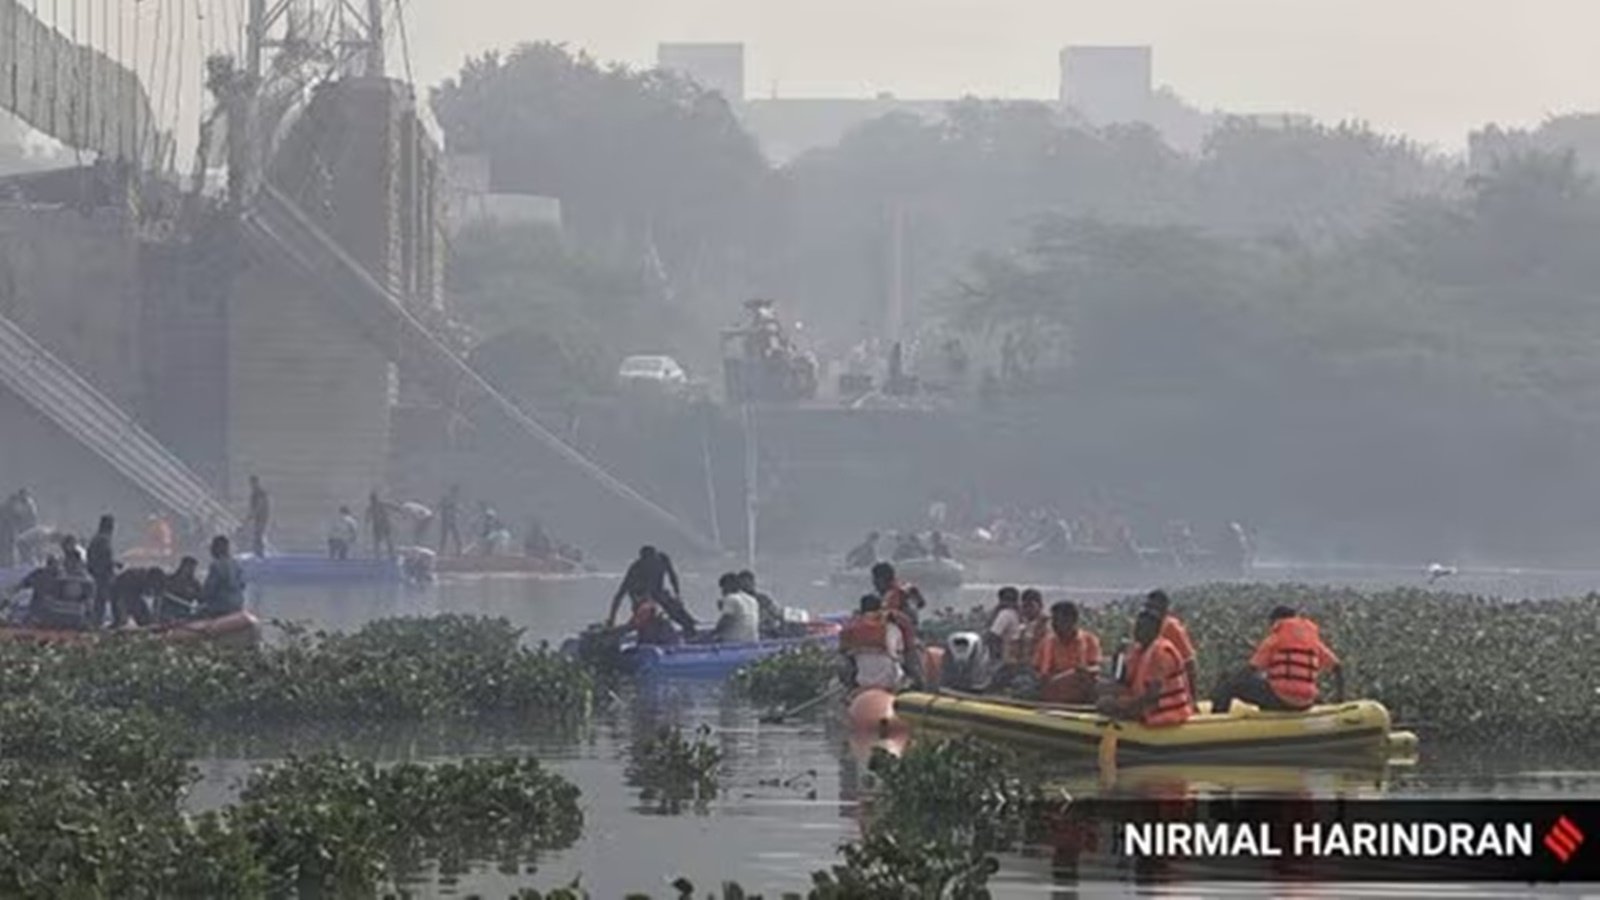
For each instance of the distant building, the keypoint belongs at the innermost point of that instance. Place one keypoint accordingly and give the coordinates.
(715, 67)
(1108, 85)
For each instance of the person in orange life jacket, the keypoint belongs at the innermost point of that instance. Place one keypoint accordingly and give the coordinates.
(651, 624)
(1067, 660)
(1157, 692)
(1283, 671)
(901, 603)
(872, 647)
(1173, 630)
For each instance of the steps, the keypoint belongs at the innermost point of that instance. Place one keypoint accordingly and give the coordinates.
(64, 397)
(278, 229)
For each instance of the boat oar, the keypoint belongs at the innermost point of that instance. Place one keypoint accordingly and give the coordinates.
(818, 700)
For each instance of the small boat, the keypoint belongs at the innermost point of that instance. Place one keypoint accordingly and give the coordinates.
(718, 660)
(235, 629)
(309, 569)
(504, 565)
(1358, 729)
(929, 574)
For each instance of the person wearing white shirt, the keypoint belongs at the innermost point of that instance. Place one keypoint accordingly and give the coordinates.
(343, 533)
(874, 646)
(741, 614)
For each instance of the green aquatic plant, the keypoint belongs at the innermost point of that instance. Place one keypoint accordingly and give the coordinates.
(793, 676)
(671, 771)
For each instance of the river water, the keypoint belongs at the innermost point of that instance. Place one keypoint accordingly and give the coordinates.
(792, 793)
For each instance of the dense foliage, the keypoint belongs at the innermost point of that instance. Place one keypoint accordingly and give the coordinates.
(672, 771)
(391, 670)
(793, 676)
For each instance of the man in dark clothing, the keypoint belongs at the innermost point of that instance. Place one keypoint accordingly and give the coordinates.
(179, 598)
(132, 592)
(648, 577)
(382, 528)
(260, 512)
(102, 567)
(450, 519)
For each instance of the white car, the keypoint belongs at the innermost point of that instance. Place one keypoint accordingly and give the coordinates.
(658, 372)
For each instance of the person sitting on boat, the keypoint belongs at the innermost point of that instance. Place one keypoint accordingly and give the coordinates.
(69, 597)
(1067, 661)
(864, 554)
(872, 648)
(343, 533)
(652, 577)
(1004, 634)
(937, 547)
(1283, 671)
(36, 584)
(909, 547)
(1172, 628)
(651, 625)
(740, 621)
(771, 612)
(901, 602)
(1035, 624)
(223, 592)
(132, 592)
(1157, 690)
(179, 599)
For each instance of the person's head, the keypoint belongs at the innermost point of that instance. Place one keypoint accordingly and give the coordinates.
(728, 583)
(69, 545)
(1008, 597)
(344, 511)
(1064, 618)
(747, 581)
(1147, 627)
(1158, 602)
(52, 563)
(1032, 603)
(1279, 613)
(871, 603)
(107, 524)
(882, 577)
(221, 548)
(188, 565)
(647, 552)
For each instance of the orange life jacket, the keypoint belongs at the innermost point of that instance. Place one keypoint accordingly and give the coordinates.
(1292, 665)
(1173, 702)
(865, 632)
(898, 597)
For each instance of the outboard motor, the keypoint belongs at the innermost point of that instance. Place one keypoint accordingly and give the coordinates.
(966, 662)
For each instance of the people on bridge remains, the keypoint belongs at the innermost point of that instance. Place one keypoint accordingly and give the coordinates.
(179, 599)
(223, 591)
(1156, 689)
(1172, 628)
(771, 612)
(378, 519)
(1283, 671)
(652, 576)
(260, 513)
(909, 547)
(133, 592)
(1067, 661)
(102, 566)
(739, 619)
(864, 554)
(872, 647)
(343, 534)
(450, 520)
(937, 547)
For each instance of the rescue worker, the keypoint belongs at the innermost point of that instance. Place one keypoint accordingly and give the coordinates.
(377, 516)
(1283, 671)
(260, 513)
(38, 584)
(771, 612)
(132, 593)
(651, 625)
(180, 594)
(864, 554)
(1172, 629)
(901, 603)
(450, 519)
(1067, 661)
(223, 592)
(71, 598)
(651, 576)
(740, 621)
(1035, 624)
(872, 647)
(102, 567)
(1157, 690)
(1004, 635)
(343, 533)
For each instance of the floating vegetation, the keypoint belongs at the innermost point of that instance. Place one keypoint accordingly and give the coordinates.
(1451, 666)
(446, 667)
(672, 771)
(793, 676)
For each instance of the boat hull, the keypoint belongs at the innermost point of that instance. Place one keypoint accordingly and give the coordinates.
(236, 629)
(715, 660)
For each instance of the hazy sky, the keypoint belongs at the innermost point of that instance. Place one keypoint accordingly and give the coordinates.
(1430, 68)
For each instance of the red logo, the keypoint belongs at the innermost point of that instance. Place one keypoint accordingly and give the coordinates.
(1563, 839)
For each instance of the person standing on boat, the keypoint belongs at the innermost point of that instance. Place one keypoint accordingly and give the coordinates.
(260, 513)
(223, 592)
(343, 534)
(102, 567)
(1067, 661)
(901, 603)
(382, 527)
(1172, 628)
(652, 576)
(872, 647)
(450, 519)
(1157, 692)
(740, 621)
(1283, 671)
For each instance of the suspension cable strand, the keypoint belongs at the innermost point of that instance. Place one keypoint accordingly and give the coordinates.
(405, 42)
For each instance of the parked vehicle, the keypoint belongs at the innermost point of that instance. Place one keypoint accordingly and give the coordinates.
(660, 373)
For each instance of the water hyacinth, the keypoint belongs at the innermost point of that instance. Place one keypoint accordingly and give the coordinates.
(793, 676)
(672, 771)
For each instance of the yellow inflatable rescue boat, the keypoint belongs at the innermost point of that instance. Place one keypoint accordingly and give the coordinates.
(1339, 731)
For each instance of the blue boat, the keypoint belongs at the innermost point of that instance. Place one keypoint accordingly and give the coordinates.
(712, 660)
(309, 569)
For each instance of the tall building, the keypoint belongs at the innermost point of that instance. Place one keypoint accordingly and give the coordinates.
(1108, 84)
(716, 67)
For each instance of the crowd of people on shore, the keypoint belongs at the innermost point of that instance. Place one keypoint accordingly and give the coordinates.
(1052, 658)
(75, 587)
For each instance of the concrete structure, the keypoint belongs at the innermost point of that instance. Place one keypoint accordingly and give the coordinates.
(1108, 85)
(716, 67)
